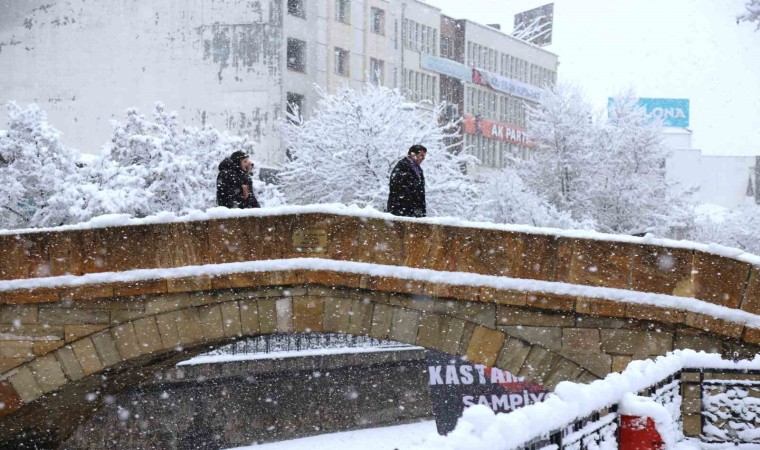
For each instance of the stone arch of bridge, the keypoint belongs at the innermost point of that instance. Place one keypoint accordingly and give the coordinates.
(50, 395)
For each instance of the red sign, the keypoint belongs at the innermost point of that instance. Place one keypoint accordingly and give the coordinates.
(495, 130)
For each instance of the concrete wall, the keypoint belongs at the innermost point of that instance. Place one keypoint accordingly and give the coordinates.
(216, 62)
(234, 404)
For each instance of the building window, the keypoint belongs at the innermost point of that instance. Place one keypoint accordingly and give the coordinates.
(294, 107)
(341, 62)
(376, 71)
(296, 8)
(378, 21)
(343, 11)
(296, 55)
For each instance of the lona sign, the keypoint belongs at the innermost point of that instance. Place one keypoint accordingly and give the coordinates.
(674, 112)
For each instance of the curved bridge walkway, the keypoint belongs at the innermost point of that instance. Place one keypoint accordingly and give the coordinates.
(88, 312)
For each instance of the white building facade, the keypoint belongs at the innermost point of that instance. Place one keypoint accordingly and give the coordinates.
(239, 65)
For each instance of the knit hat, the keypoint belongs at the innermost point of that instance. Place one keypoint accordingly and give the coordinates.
(238, 156)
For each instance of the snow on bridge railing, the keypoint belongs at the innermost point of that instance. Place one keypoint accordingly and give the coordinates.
(586, 416)
(121, 220)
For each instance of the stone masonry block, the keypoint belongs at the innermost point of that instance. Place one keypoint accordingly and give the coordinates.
(125, 338)
(27, 296)
(211, 322)
(583, 339)
(564, 370)
(513, 355)
(362, 312)
(404, 325)
(25, 384)
(189, 326)
(231, 319)
(188, 284)
(21, 314)
(284, 308)
(308, 313)
(551, 301)
(16, 349)
(43, 348)
(480, 313)
(167, 302)
(64, 316)
(337, 314)
(598, 364)
(599, 307)
(538, 365)
(654, 313)
(485, 345)
(69, 363)
(249, 317)
(86, 292)
(75, 332)
(84, 349)
(503, 296)
(547, 337)
(637, 343)
(718, 326)
(440, 332)
(48, 373)
(267, 315)
(167, 329)
(381, 321)
(148, 336)
(512, 316)
(719, 280)
(106, 348)
(141, 287)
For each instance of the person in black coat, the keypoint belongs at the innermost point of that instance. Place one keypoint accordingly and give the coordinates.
(234, 186)
(407, 185)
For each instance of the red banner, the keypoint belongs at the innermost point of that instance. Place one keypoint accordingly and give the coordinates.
(495, 130)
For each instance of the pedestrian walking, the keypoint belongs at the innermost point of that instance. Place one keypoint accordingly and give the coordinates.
(406, 195)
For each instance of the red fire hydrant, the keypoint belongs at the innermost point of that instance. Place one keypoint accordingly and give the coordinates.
(639, 433)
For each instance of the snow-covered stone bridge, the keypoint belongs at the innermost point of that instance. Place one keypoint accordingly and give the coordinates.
(87, 311)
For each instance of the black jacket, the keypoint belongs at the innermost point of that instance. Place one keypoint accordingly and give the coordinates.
(229, 186)
(407, 191)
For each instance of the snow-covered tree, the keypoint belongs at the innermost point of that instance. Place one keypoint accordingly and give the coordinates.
(346, 151)
(33, 167)
(507, 199)
(611, 173)
(630, 193)
(560, 168)
(752, 13)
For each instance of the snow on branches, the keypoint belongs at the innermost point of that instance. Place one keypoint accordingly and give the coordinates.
(345, 152)
(33, 167)
(752, 13)
(611, 173)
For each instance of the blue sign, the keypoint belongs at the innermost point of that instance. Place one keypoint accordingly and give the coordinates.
(674, 112)
(446, 66)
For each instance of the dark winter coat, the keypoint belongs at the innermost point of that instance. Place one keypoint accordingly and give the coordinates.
(229, 186)
(407, 190)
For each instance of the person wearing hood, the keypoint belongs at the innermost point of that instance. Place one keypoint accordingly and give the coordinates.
(234, 186)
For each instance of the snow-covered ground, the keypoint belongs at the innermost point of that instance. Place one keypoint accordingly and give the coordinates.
(386, 438)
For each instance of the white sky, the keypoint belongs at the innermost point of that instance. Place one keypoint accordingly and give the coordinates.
(660, 48)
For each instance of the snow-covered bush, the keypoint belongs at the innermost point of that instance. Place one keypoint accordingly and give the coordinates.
(34, 166)
(507, 199)
(345, 152)
(150, 167)
(738, 228)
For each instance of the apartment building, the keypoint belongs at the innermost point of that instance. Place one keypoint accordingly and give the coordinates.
(489, 78)
(240, 65)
